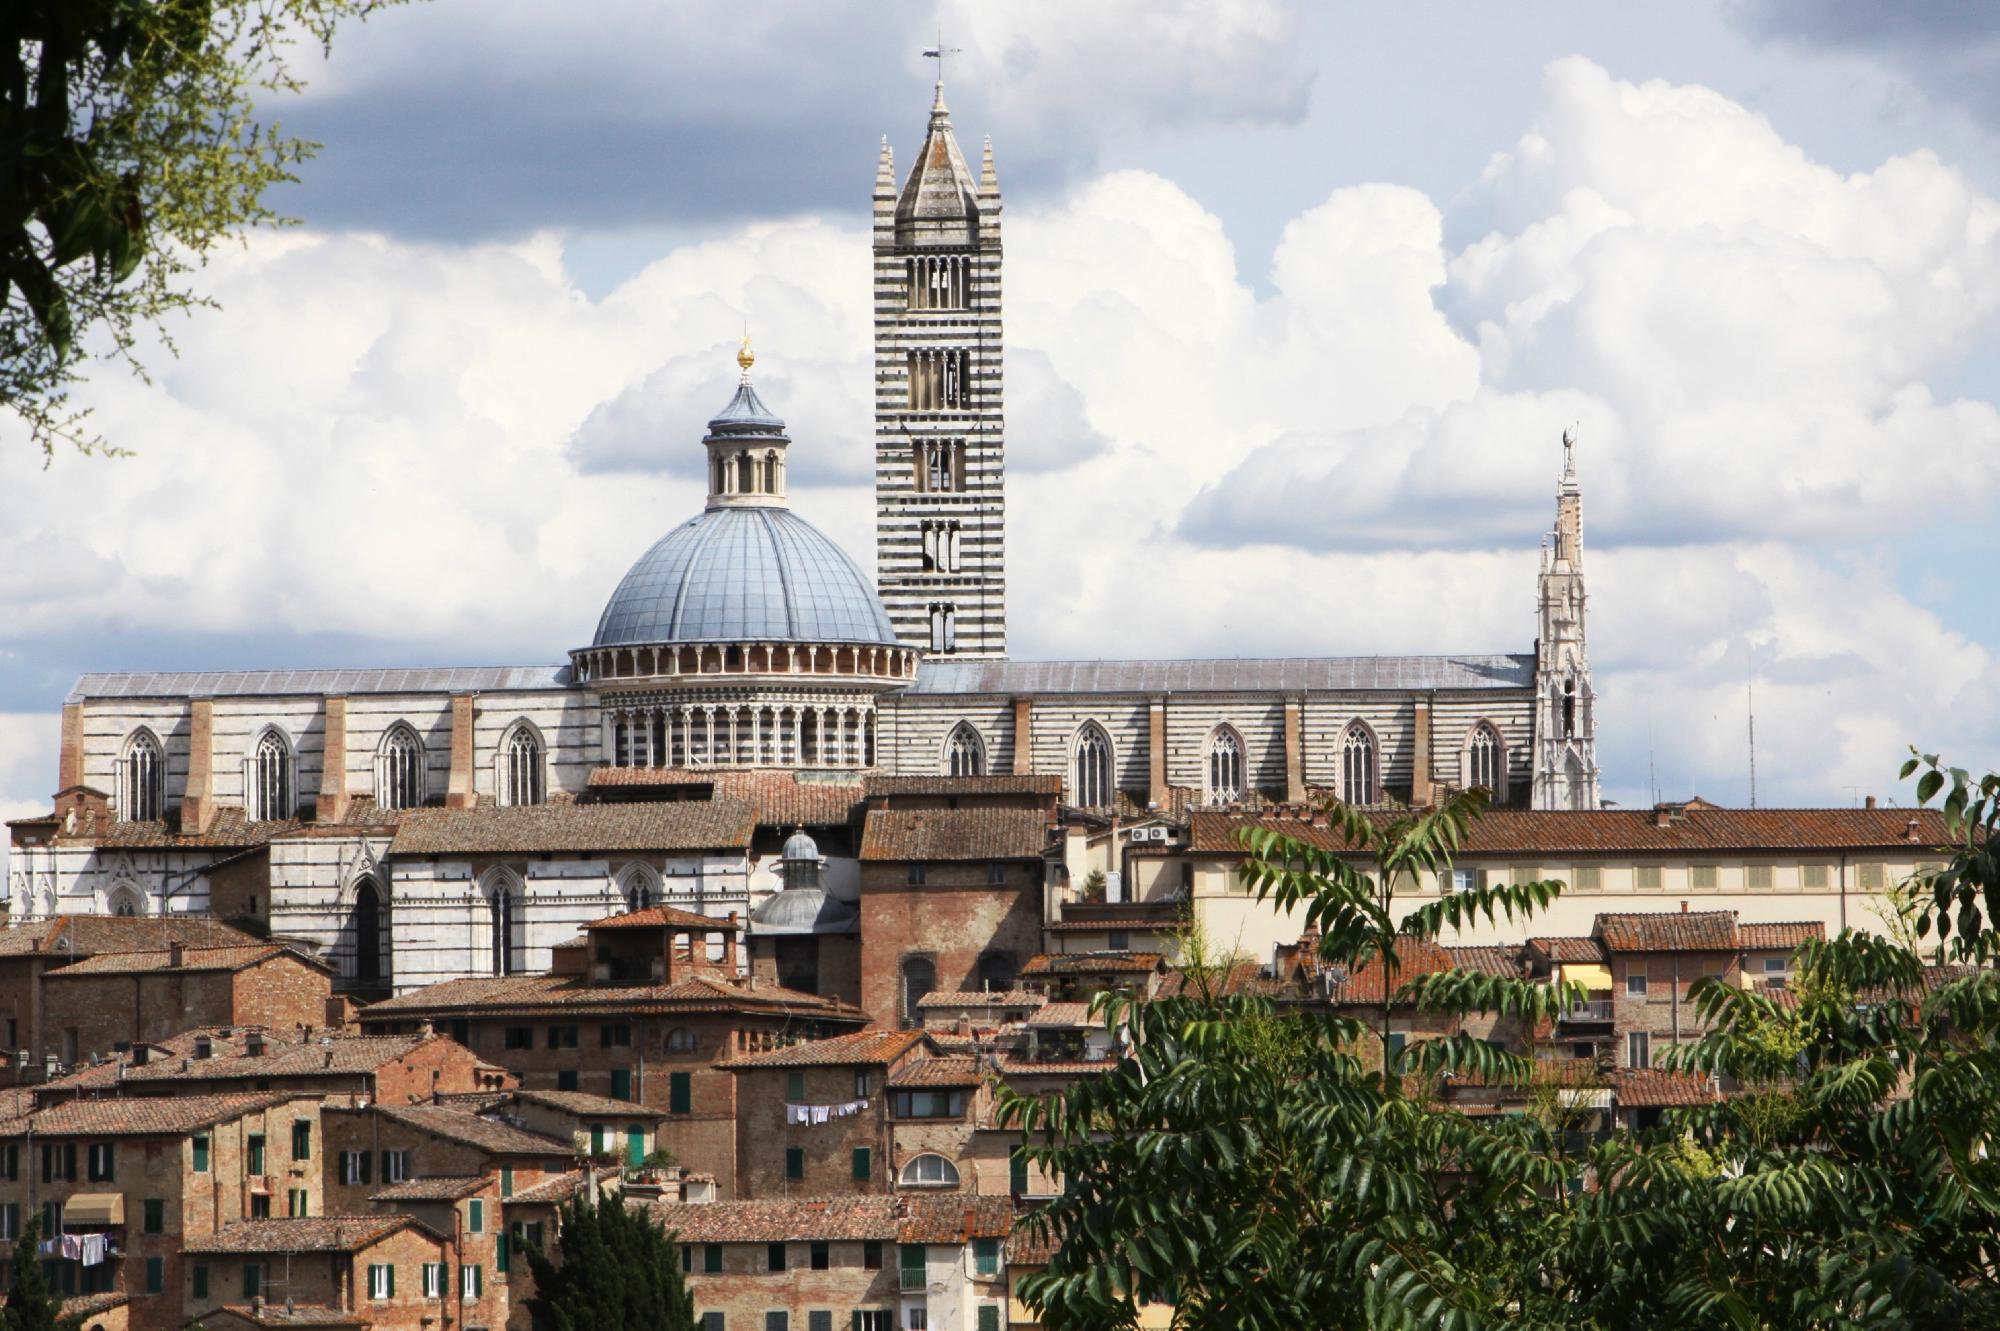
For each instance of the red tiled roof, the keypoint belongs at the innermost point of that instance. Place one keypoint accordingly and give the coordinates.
(952, 1218)
(664, 917)
(298, 1314)
(936, 1072)
(582, 1102)
(445, 1188)
(192, 959)
(141, 1116)
(1647, 1088)
(1701, 827)
(551, 828)
(233, 829)
(873, 1048)
(997, 783)
(1373, 983)
(1583, 951)
(1669, 931)
(78, 936)
(1016, 1065)
(173, 1060)
(1090, 963)
(1503, 960)
(508, 995)
(1785, 936)
(475, 1130)
(982, 998)
(1064, 1014)
(558, 1188)
(954, 834)
(782, 798)
(319, 1233)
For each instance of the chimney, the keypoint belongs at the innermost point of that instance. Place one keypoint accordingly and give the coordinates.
(1661, 818)
(176, 955)
(1910, 830)
(1870, 802)
(1684, 908)
(426, 1029)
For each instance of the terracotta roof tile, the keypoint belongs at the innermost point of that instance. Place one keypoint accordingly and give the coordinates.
(1785, 935)
(173, 1060)
(233, 829)
(1700, 828)
(997, 783)
(1645, 1088)
(664, 917)
(981, 998)
(475, 1130)
(192, 959)
(441, 1189)
(141, 1116)
(936, 1072)
(1503, 960)
(299, 1314)
(1373, 983)
(1090, 963)
(528, 995)
(1016, 1065)
(1064, 1015)
(872, 1048)
(582, 1102)
(320, 1233)
(782, 799)
(1669, 931)
(954, 834)
(551, 828)
(79, 936)
(1568, 948)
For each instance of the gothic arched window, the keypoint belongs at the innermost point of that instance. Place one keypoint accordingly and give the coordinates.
(1090, 767)
(640, 888)
(125, 902)
(142, 778)
(1357, 765)
(399, 769)
(270, 777)
(1484, 759)
(1569, 709)
(522, 780)
(503, 912)
(964, 751)
(1225, 766)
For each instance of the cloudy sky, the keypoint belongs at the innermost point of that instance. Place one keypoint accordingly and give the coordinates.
(1300, 298)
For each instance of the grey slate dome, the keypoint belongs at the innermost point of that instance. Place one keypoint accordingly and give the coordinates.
(744, 575)
(803, 910)
(747, 569)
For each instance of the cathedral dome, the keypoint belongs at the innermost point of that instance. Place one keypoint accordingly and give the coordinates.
(744, 575)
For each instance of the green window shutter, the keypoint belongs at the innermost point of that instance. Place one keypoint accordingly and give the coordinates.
(478, 1281)
(253, 1280)
(501, 1254)
(390, 1276)
(989, 1317)
(302, 1140)
(711, 1259)
(621, 1083)
(201, 1282)
(795, 1162)
(680, 1097)
(156, 1275)
(597, 1139)
(506, 1180)
(986, 1256)
(912, 1263)
(566, 1079)
(475, 1216)
(1017, 1172)
(795, 1086)
(635, 1145)
(156, 1215)
(863, 1164)
(255, 1143)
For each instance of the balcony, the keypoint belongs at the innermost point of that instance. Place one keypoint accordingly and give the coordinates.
(1592, 1011)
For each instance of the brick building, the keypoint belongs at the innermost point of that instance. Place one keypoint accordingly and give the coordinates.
(640, 1015)
(123, 998)
(149, 1176)
(951, 898)
(387, 1069)
(876, 1263)
(389, 1273)
(28, 951)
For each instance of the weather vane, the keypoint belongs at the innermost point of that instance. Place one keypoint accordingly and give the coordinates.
(939, 52)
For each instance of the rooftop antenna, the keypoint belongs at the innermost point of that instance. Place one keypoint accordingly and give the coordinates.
(1750, 672)
(1652, 771)
(939, 52)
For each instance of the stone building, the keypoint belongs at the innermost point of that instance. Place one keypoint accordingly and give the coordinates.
(418, 825)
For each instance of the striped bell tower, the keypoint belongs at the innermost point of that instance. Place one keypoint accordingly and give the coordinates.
(940, 459)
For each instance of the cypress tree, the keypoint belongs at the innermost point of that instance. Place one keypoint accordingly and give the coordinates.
(30, 1305)
(614, 1267)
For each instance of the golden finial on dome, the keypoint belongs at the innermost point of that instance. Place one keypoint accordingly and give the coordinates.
(744, 357)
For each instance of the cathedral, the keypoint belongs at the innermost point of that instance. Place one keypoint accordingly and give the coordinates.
(747, 681)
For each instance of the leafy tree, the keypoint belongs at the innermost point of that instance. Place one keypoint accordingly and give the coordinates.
(616, 1268)
(129, 148)
(1245, 1165)
(30, 1305)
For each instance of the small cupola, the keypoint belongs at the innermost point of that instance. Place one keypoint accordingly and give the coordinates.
(746, 445)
